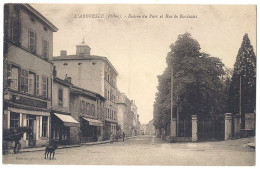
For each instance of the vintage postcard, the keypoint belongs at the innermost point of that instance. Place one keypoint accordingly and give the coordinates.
(129, 84)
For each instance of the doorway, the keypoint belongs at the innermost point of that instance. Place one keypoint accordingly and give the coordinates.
(31, 122)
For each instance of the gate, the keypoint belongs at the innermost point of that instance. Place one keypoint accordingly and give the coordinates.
(184, 128)
(211, 130)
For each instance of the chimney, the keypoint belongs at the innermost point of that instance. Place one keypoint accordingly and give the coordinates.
(67, 78)
(63, 53)
(54, 71)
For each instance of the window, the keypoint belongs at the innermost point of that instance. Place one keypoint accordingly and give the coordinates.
(31, 83)
(108, 113)
(24, 81)
(106, 93)
(14, 120)
(93, 110)
(82, 104)
(13, 77)
(108, 78)
(37, 85)
(45, 87)
(14, 31)
(45, 49)
(60, 97)
(44, 126)
(105, 75)
(112, 114)
(32, 41)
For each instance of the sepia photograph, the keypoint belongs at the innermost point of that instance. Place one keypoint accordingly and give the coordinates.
(129, 84)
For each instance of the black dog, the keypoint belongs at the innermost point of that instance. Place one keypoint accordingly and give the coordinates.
(50, 149)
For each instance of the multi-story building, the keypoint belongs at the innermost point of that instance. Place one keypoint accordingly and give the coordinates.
(151, 128)
(63, 124)
(28, 43)
(125, 115)
(93, 73)
(88, 108)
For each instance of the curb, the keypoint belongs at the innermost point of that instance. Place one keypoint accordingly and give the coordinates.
(63, 147)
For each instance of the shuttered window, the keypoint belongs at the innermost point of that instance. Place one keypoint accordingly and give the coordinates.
(31, 83)
(13, 78)
(32, 41)
(24, 80)
(37, 85)
(45, 87)
(45, 49)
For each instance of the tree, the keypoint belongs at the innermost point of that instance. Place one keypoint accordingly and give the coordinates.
(197, 85)
(244, 79)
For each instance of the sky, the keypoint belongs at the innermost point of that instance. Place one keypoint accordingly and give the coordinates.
(137, 47)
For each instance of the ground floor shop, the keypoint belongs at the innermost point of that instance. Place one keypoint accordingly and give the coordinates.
(91, 130)
(61, 126)
(110, 129)
(38, 121)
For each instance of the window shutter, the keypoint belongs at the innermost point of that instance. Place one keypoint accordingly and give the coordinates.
(9, 69)
(42, 48)
(80, 104)
(37, 85)
(29, 39)
(35, 43)
(47, 87)
(47, 52)
(22, 80)
(26, 79)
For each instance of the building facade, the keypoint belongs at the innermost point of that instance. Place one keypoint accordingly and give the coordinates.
(125, 115)
(88, 108)
(92, 73)
(62, 123)
(28, 45)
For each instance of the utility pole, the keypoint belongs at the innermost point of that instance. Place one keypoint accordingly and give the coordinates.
(171, 94)
(240, 101)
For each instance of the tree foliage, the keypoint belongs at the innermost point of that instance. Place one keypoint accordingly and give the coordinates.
(244, 72)
(197, 83)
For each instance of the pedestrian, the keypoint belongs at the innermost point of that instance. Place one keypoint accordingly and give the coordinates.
(111, 138)
(123, 136)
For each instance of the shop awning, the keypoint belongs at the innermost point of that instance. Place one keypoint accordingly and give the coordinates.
(67, 120)
(93, 122)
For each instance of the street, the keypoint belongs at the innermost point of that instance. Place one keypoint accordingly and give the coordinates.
(146, 150)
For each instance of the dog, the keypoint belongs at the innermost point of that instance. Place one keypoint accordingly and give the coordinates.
(50, 149)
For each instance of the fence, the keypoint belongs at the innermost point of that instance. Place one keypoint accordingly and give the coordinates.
(211, 130)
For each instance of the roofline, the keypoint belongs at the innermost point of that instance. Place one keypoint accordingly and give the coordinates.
(40, 16)
(61, 81)
(85, 58)
(87, 92)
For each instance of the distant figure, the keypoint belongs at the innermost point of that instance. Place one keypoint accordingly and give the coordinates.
(123, 136)
(111, 138)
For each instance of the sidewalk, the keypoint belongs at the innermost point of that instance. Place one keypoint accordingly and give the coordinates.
(24, 150)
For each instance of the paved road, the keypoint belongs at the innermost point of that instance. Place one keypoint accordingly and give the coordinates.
(146, 150)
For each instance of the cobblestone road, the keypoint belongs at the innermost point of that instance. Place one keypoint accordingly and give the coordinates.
(146, 150)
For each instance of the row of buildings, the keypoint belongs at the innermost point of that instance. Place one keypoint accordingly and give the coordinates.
(70, 98)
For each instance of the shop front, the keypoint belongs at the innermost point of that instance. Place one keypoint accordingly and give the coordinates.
(91, 130)
(61, 125)
(38, 121)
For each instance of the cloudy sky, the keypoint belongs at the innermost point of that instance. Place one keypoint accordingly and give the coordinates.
(138, 47)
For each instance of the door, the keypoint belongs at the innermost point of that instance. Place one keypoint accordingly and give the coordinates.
(31, 122)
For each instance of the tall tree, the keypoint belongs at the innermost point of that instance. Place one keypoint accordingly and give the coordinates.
(243, 81)
(197, 83)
